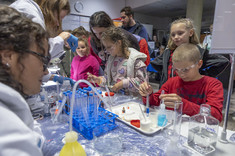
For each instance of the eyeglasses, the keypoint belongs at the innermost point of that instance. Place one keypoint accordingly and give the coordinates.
(108, 49)
(45, 59)
(184, 70)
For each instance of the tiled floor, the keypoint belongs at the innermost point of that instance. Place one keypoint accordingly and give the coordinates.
(230, 123)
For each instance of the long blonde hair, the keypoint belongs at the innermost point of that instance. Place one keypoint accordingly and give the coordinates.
(49, 9)
(189, 26)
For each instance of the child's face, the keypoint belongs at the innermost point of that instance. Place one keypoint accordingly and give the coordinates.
(82, 50)
(179, 34)
(111, 48)
(187, 70)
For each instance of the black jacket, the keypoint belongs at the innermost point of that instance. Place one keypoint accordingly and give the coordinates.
(213, 64)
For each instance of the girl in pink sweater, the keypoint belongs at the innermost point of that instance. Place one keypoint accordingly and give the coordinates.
(83, 63)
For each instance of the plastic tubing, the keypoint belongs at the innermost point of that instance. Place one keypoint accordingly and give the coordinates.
(73, 99)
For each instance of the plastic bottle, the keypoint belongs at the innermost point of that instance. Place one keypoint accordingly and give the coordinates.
(162, 120)
(203, 131)
(72, 147)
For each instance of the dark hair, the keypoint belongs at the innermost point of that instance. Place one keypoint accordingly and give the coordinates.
(128, 11)
(115, 34)
(17, 33)
(80, 31)
(99, 19)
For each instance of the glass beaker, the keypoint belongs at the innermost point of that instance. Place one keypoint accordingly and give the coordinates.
(109, 143)
(203, 131)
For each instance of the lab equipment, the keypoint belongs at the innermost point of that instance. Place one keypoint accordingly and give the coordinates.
(73, 42)
(110, 104)
(161, 118)
(72, 147)
(147, 99)
(147, 105)
(203, 130)
(174, 134)
(105, 122)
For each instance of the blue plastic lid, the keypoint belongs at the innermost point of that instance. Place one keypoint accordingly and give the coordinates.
(89, 88)
(90, 94)
(60, 101)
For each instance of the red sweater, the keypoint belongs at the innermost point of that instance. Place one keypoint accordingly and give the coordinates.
(205, 90)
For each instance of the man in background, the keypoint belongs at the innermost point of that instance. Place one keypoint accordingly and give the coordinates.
(129, 24)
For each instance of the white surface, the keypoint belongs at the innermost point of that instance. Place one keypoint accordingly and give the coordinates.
(134, 109)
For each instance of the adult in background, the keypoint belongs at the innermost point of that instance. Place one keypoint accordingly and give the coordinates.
(129, 23)
(49, 14)
(23, 62)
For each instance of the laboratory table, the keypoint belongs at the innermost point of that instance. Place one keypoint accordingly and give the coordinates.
(134, 142)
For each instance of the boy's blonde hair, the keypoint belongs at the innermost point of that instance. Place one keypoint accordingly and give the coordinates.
(186, 52)
(86, 44)
(115, 34)
(188, 25)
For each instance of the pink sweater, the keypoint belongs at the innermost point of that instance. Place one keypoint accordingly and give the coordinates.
(80, 66)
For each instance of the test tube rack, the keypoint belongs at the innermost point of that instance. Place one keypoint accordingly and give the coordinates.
(103, 124)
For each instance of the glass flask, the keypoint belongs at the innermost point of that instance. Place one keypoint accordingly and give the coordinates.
(203, 131)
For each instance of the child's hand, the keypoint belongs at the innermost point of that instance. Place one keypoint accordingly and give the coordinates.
(170, 99)
(145, 89)
(93, 78)
(117, 86)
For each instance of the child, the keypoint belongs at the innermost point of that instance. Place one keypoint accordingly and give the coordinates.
(190, 87)
(125, 67)
(83, 63)
(182, 31)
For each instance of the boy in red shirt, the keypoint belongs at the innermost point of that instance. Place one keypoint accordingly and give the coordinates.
(190, 87)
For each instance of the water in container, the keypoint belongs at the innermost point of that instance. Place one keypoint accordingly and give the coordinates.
(203, 131)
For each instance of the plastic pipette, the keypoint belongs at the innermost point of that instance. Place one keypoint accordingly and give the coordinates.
(147, 100)
(60, 108)
(147, 105)
(110, 106)
(142, 112)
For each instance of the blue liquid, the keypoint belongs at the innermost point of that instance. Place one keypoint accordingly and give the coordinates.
(162, 121)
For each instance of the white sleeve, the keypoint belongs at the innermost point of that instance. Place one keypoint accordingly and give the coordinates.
(56, 47)
(16, 138)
